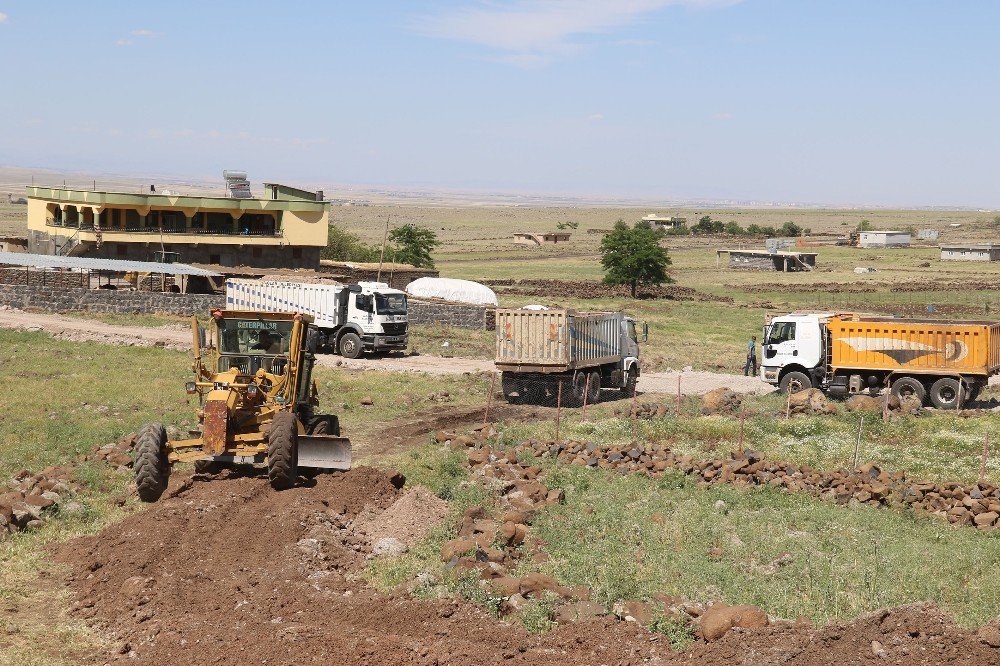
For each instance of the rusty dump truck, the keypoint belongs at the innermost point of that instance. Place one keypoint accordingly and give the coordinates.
(942, 363)
(539, 351)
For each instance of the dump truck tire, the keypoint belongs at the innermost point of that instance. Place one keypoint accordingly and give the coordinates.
(577, 389)
(151, 466)
(282, 450)
(594, 389)
(909, 386)
(794, 382)
(944, 393)
(631, 382)
(511, 385)
(350, 345)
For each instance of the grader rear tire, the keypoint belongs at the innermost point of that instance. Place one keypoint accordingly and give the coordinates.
(282, 451)
(150, 464)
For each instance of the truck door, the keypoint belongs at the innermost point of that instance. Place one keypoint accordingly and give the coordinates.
(795, 342)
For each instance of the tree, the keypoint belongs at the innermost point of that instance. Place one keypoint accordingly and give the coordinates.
(633, 257)
(790, 229)
(344, 246)
(413, 245)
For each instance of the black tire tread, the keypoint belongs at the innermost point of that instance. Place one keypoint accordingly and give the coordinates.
(281, 451)
(150, 463)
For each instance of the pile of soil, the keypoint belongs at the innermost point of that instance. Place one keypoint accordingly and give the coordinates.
(229, 571)
(408, 519)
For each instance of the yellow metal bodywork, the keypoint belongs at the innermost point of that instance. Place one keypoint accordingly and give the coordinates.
(916, 347)
(232, 421)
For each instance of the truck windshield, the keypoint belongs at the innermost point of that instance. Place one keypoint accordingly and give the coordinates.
(390, 304)
(256, 337)
(630, 327)
(783, 331)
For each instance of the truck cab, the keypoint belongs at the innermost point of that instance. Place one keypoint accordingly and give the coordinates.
(378, 316)
(793, 351)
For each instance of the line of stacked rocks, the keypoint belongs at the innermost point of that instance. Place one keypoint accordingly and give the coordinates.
(27, 500)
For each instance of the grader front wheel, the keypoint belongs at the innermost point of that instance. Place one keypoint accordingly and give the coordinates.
(150, 464)
(282, 451)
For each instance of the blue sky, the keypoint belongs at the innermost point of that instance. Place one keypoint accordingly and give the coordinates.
(839, 101)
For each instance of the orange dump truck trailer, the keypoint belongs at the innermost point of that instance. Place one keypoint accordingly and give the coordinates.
(943, 363)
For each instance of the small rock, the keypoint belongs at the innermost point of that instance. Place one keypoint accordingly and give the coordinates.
(389, 547)
(879, 650)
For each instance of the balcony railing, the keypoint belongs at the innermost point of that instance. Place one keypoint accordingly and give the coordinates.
(166, 229)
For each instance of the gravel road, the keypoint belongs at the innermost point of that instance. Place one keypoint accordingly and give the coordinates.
(178, 336)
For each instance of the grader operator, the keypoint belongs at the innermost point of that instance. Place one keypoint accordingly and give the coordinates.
(253, 377)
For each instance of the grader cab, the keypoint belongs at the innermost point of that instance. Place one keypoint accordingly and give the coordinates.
(253, 377)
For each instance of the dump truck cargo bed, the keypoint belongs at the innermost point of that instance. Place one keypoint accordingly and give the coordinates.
(915, 346)
(556, 340)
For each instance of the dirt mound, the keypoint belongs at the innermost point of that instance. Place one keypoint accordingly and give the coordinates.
(721, 401)
(408, 519)
(229, 571)
(912, 634)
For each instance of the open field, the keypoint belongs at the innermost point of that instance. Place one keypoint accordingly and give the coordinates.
(623, 537)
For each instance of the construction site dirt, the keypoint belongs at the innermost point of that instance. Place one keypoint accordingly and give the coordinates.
(230, 572)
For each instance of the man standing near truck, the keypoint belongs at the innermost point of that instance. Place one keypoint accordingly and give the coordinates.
(751, 357)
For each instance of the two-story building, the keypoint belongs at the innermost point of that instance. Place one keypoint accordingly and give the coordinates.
(286, 228)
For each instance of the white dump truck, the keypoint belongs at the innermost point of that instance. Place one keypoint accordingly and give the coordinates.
(584, 352)
(367, 317)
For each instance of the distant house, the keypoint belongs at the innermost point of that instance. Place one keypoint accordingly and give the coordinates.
(971, 252)
(928, 234)
(884, 239)
(762, 260)
(13, 244)
(547, 238)
(661, 222)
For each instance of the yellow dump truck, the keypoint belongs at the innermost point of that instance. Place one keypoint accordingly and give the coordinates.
(943, 363)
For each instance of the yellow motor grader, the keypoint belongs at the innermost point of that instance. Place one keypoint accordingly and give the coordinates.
(253, 376)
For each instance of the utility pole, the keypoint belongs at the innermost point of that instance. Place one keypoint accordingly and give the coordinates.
(381, 258)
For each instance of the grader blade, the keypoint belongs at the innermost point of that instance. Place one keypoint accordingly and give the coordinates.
(324, 452)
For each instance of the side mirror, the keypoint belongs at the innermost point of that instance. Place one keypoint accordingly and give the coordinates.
(202, 337)
(645, 332)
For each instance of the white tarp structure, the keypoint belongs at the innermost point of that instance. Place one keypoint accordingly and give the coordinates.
(450, 289)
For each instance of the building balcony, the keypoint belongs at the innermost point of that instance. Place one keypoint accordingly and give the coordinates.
(132, 230)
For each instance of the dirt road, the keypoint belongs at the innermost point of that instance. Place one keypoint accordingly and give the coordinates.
(179, 337)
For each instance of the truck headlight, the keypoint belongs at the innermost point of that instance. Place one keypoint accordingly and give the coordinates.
(252, 390)
(191, 388)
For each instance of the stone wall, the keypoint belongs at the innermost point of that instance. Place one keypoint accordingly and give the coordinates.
(60, 299)
(460, 316)
(55, 299)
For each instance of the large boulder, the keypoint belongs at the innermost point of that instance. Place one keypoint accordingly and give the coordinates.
(863, 403)
(720, 401)
(720, 618)
(809, 402)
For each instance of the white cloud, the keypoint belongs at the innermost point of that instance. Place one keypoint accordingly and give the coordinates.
(3, 17)
(123, 42)
(596, 117)
(143, 33)
(530, 32)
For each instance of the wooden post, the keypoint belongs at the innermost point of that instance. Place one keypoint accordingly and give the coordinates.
(885, 402)
(635, 417)
(743, 418)
(982, 466)
(489, 398)
(678, 394)
(857, 446)
(558, 409)
(788, 405)
(586, 392)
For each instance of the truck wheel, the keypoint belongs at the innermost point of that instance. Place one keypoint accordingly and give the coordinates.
(282, 451)
(794, 382)
(151, 466)
(513, 389)
(350, 345)
(324, 424)
(594, 390)
(905, 387)
(631, 381)
(578, 388)
(944, 393)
